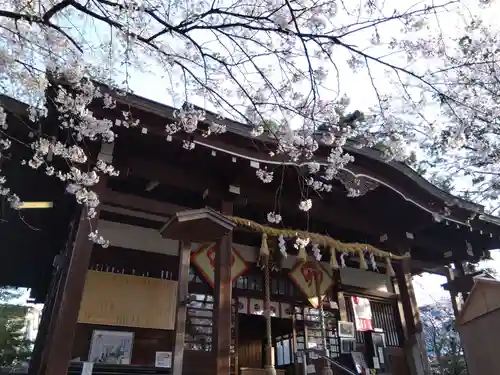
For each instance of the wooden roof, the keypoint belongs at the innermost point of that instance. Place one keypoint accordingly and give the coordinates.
(483, 299)
(403, 204)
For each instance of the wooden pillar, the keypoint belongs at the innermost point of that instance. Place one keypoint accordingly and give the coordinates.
(455, 299)
(460, 272)
(182, 296)
(223, 298)
(51, 307)
(340, 295)
(59, 352)
(415, 348)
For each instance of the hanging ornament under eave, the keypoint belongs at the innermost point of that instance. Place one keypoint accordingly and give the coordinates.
(333, 259)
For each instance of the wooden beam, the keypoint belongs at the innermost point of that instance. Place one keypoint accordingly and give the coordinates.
(198, 181)
(223, 301)
(182, 294)
(145, 205)
(64, 331)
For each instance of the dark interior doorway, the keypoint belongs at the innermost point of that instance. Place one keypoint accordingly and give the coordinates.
(252, 338)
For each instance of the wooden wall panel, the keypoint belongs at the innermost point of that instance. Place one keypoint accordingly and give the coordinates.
(128, 301)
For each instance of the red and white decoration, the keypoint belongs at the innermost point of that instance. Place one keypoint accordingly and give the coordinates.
(362, 313)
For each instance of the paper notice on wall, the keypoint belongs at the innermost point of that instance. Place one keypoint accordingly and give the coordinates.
(311, 369)
(381, 355)
(163, 359)
(362, 313)
(87, 368)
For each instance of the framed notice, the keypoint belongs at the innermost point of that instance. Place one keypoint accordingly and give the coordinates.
(111, 347)
(346, 329)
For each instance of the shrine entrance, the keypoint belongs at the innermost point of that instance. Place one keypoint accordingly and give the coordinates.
(251, 343)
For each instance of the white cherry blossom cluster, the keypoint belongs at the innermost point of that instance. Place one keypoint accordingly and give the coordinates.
(188, 119)
(301, 242)
(305, 205)
(318, 185)
(274, 217)
(296, 144)
(96, 238)
(265, 176)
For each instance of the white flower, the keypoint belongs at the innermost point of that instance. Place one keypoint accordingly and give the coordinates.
(96, 238)
(301, 242)
(265, 176)
(273, 217)
(305, 205)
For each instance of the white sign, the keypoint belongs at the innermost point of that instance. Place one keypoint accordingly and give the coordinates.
(87, 368)
(163, 359)
(362, 313)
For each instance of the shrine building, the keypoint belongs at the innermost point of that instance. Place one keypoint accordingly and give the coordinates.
(197, 282)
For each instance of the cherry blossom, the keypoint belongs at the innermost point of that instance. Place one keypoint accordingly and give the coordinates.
(276, 66)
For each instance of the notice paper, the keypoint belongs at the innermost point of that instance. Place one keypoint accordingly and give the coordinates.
(87, 368)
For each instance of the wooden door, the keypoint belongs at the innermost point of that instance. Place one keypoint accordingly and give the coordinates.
(250, 353)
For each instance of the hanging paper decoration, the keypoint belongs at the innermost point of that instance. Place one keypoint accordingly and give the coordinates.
(362, 260)
(333, 259)
(282, 246)
(373, 262)
(342, 260)
(390, 270)
(264, 249)
(316, 252)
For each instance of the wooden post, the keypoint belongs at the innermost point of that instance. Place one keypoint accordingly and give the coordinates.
(59, 353)
(222, 300)
(340, 296)
(415, 349)
(182, 295)
(455, 299)
(268, 350)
